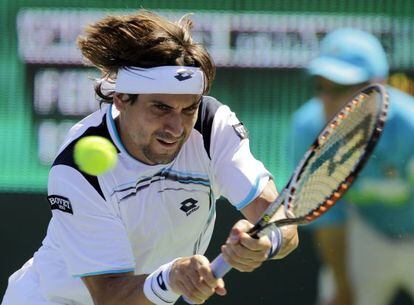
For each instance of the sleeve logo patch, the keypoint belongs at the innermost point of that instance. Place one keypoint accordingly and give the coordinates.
(60, 203)
(241, 131)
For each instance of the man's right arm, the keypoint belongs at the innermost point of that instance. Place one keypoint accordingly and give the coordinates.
(120, 288)
(189, 276)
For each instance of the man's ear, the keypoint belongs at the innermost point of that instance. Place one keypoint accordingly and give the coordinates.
(118, 101)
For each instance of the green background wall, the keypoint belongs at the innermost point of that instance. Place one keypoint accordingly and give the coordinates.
(262, 98)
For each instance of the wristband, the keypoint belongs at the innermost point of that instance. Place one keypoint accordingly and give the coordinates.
(275, 237)
(157, 286)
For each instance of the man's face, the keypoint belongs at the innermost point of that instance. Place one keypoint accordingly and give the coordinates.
(155, 127)
(333, 95)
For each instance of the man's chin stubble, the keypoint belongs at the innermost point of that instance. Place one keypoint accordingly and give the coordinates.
(159, 158)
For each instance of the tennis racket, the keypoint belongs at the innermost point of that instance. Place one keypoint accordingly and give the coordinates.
(329, 167)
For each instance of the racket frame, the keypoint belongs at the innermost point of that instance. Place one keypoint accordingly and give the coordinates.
(263, 227)
(265, 224)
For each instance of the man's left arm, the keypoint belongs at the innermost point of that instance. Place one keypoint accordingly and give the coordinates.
(246, 253)
(256, 208)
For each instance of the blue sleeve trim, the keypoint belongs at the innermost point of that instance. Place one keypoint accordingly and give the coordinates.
(252, 194)
(105, 272)
(117, 139)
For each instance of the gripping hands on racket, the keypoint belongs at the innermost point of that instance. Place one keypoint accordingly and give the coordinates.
(193, 276)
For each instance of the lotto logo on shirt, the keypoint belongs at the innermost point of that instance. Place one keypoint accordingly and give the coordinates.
(60, 203)
(189, 206)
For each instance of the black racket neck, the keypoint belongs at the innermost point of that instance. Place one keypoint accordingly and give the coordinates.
(253, 232)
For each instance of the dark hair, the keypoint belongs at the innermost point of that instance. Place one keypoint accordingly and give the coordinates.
(143, 39)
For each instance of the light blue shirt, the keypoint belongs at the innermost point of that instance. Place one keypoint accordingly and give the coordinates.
(390, 159)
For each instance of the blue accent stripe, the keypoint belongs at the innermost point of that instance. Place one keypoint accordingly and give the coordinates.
(185, 180)
(168, 170)
(251, 195)
(129, 184)
(115, 131)
(194, 175)
(105, 272)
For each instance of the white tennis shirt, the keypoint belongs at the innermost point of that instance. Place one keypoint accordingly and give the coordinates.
(137, 217)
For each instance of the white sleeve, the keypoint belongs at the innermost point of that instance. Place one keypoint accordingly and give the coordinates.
(238, 176)
(91, 238)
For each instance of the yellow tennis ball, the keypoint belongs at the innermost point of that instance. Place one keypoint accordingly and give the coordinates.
(95, 155)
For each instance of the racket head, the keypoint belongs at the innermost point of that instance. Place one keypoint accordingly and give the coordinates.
(333, 161)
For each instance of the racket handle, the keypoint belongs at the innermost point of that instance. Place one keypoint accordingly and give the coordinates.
(219, 267)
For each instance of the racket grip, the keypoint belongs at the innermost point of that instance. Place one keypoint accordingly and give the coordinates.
(219, 267)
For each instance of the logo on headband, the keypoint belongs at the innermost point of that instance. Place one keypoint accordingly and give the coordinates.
(184, 74)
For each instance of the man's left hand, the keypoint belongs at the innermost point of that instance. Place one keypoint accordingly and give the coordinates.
(242, 251)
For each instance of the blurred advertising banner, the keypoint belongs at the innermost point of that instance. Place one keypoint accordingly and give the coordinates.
(233, 39)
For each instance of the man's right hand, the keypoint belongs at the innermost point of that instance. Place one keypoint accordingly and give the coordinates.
(192, 277)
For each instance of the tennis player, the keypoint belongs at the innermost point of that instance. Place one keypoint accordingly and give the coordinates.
(377, 237)
(137, 234)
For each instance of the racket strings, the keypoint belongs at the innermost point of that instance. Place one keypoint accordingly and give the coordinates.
(342, 145)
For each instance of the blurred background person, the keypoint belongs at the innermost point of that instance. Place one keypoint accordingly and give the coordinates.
(367, 241)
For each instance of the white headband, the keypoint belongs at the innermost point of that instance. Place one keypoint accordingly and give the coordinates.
(164, 79)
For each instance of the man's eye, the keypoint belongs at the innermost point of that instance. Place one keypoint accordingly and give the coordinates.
(162, 107)
(191, 109)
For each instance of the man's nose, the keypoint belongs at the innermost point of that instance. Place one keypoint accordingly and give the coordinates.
(174, 125)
